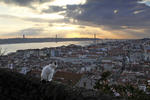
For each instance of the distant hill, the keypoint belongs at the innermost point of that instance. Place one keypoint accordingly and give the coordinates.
(36, 40)
(15, 86)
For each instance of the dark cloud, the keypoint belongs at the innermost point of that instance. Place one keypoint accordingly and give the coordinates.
(112, 13)
(24, 2)
(54, 9)
(138, 34)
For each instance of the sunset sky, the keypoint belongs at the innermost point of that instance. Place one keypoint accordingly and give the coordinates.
(75, 18)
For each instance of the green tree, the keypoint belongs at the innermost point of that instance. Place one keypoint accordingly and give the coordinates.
(105, 75)
(102, 83)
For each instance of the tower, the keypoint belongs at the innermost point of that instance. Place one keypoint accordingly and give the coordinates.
(95, 39)
(23, 36)
(56, 38)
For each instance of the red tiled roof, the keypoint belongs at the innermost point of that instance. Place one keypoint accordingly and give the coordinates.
(67, 77)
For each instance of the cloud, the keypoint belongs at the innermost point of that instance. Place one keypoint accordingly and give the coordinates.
(28, 32)
(24, 2)
(121, 17)
(146, 2)
(32, 31)
(35, 20)
(54, 9)
(111, 13)
(115, 11)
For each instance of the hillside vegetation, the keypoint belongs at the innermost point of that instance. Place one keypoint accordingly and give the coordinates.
(15, 86)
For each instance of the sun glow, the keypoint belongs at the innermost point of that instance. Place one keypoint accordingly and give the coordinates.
(78, 35)
(73, 35)
(65, 28)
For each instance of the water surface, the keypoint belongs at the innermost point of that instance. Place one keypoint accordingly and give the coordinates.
(22, 46)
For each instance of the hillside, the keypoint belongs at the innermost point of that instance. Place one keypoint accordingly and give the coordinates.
(14, 86)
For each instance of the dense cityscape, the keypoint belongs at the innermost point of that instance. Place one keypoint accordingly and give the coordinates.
(82, 66)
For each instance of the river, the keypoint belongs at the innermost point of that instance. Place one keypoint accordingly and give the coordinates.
(22, 46)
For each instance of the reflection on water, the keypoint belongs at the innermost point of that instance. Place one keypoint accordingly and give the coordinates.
(13, 47)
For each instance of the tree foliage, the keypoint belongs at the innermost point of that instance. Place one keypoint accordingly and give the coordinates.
(127, 91)
(105, 75)
(102, 83)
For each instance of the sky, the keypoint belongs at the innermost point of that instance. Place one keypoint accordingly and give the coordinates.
(111, 19)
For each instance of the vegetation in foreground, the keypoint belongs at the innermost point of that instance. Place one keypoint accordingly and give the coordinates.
(15, 86)
(128, 92)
